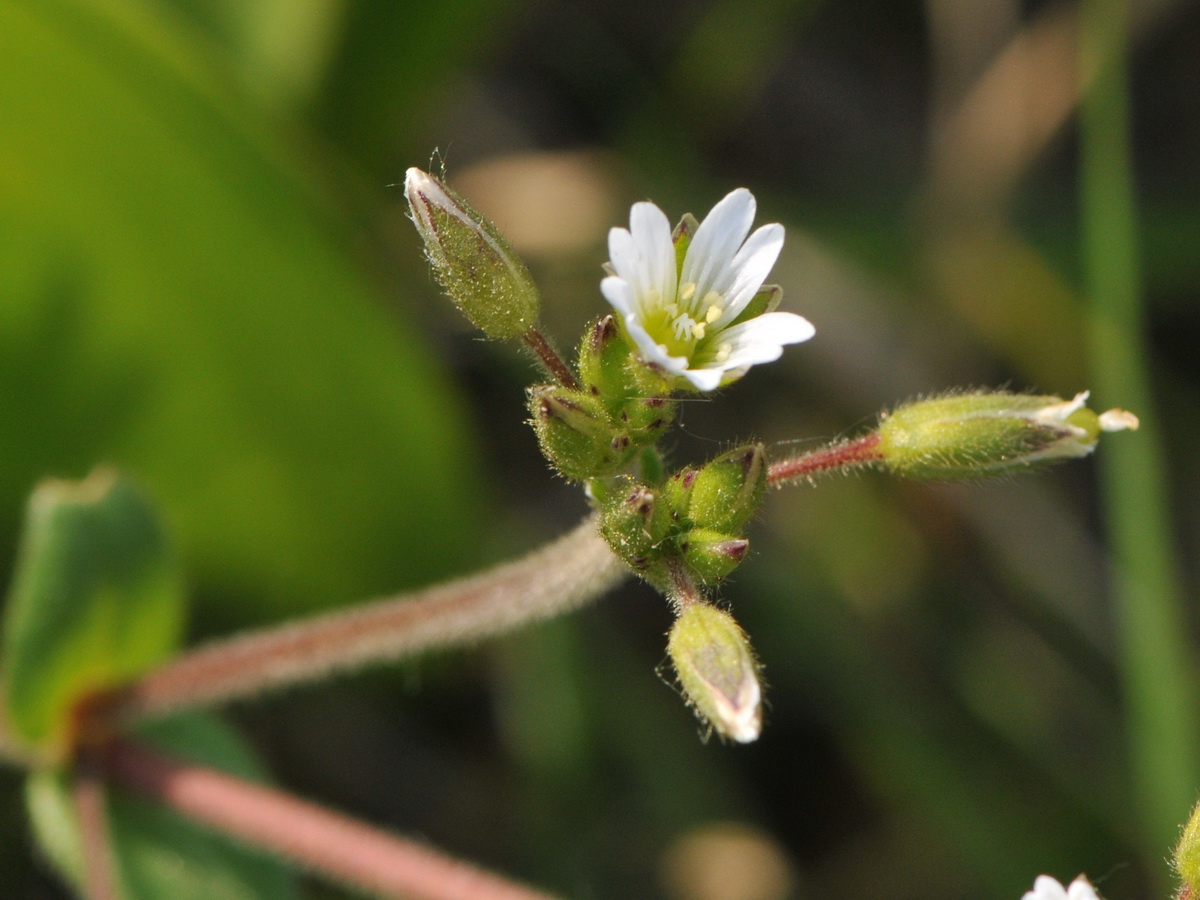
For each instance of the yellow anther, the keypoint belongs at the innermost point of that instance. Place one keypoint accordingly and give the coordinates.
(723, 352)
(698, 330)
(712, 298)
(687, 290)
(714, 313)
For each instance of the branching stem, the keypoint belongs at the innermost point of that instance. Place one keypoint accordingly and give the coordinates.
(575, 569)
(311, 836)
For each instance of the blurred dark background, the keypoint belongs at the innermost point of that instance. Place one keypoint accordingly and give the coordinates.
(207, 277)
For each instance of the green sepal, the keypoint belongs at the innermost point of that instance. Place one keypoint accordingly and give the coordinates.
(97, 599)
(576, 434)
(677, 491)
(156, 852)
(604, 361)
(682, 236)
(634, 522)
(711, 555)
(729, 490)
(647, 419)
(766, 300)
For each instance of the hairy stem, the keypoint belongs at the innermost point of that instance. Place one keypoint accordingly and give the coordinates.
(681, 590)
(575, 569)
(834, 457)
(549, 359)
(313, 837)
(91, 810)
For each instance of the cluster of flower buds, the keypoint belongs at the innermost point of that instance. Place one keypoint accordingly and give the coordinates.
(694, 518)
(618, 408)
(692, 314)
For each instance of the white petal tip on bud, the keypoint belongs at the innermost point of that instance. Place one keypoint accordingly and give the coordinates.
(1119, 420)
(1057, 413)
(741, 721)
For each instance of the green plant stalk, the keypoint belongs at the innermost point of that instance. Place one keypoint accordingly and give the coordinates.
(1154, 660)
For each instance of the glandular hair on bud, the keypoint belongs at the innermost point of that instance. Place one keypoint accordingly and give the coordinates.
(977, 434)
(473, 262)
(717, 671)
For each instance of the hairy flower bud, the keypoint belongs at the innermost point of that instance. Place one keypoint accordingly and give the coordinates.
(604, 360)
(1187, 852)
(711, 555)
(633, 521)
(726, 492)
(717, 671)
(979, 434)
(473, 262)
(576, 433)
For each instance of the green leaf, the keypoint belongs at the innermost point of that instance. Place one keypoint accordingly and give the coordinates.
(157, 852)
(97, 599)
(182, 296)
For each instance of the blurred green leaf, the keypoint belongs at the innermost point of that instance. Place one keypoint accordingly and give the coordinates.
(96, 600)
(159, 853)
(394, 63)
(180, 298)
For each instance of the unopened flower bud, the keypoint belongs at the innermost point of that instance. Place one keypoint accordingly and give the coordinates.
(633, 521)
(711, 555)
(729, 490)
(1187, 853)
(604, 357)
(576, 434)
(979, 434)
(473, 262)
(717, 671)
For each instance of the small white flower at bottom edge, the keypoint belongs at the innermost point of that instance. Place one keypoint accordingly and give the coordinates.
(681, 316)
(1048, 888)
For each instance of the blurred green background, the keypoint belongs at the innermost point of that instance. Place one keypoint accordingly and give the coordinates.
(207, 278)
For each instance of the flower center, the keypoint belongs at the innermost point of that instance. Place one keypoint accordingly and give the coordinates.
(681, 325)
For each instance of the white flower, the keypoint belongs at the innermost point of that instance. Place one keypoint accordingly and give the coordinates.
(684, 318)
(1047, 888)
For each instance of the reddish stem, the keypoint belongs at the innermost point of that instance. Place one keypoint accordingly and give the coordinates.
(549, 358)
(845, 455)
(95, 842)
(682, 591)
(561, 576)
(311, 836)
